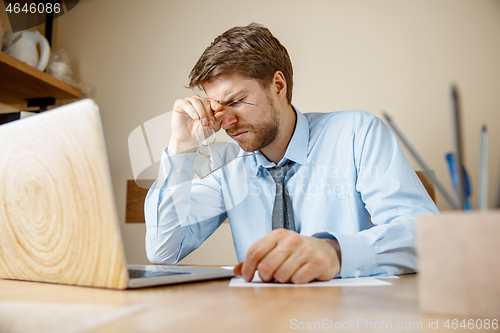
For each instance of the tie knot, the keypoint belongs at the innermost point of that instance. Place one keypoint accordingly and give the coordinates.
(279, 173)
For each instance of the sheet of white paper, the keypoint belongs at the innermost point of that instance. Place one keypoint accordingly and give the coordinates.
(230, 268)
(352, 282)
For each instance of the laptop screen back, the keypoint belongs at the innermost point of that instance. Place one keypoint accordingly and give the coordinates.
(58, 220)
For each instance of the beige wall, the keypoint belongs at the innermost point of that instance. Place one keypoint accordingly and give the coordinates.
(394, 55)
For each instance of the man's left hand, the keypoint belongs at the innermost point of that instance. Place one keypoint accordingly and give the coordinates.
(286, 256)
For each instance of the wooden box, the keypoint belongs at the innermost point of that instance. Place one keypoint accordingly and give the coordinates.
(459, 263)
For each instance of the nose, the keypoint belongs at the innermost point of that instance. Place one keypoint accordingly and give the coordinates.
(228, 120)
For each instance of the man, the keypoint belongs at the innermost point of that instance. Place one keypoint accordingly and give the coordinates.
(309, 197)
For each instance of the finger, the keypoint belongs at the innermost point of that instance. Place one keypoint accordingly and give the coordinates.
(207, 104)
(218, 111)
(215, 106)
(237, 268)
(268, 266)
(219, 117)
(255, 253)
(289, 266)
(310, 262)
(285, 242)
(185, 106)
(212, 107)
(198, 106)
(305, 274)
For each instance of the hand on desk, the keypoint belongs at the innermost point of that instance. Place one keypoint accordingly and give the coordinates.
(286, 256)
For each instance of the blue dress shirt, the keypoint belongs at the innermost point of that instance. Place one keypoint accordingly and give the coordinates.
(350, 181)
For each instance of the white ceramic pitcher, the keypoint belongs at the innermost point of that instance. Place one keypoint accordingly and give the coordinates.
(25, 48)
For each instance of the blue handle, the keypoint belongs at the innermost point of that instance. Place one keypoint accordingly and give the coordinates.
(450, 158)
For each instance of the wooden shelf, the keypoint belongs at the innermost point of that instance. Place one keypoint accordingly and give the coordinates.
(20, 81)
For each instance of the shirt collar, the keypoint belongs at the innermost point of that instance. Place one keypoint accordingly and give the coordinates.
(297, 148)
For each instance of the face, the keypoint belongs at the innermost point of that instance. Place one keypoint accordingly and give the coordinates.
(253, 127)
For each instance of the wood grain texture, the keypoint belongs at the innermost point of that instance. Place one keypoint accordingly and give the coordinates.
(57, 213)
(20, 81)
(214, 307)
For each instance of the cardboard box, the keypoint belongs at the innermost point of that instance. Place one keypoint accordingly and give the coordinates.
(459, 263)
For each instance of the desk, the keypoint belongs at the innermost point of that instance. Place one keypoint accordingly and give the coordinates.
(214, 307)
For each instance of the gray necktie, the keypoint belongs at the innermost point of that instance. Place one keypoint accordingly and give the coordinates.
(282, 209)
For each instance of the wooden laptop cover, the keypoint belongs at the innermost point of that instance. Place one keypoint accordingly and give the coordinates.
(58, 220)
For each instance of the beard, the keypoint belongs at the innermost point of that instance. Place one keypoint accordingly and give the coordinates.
(263, 133)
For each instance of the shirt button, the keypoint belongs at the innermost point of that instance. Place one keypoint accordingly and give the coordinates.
(357, 273)
(178, 170)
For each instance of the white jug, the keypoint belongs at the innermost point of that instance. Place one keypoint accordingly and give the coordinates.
(25, 48)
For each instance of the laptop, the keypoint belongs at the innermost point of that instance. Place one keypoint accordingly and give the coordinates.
(58, 219)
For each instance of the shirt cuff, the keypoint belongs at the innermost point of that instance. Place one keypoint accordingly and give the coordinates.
(178, 168)
(358, 258)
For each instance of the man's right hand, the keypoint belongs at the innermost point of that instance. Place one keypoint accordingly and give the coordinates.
(188, 114)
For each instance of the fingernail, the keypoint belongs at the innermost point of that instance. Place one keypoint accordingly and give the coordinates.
(204, 121)
(211, 123)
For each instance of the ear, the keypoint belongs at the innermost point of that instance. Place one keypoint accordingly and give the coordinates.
(279, 86)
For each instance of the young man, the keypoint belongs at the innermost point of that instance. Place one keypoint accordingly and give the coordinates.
(309, 197)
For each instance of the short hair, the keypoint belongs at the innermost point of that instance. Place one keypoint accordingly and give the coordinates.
(250, 51)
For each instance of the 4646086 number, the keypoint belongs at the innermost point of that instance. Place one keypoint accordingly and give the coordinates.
(472, 324)
(33, 8)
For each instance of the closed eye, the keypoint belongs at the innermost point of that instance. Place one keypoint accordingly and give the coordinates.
(238, 102)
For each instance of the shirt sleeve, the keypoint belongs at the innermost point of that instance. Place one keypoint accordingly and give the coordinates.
(180, 212)
(393, 196)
